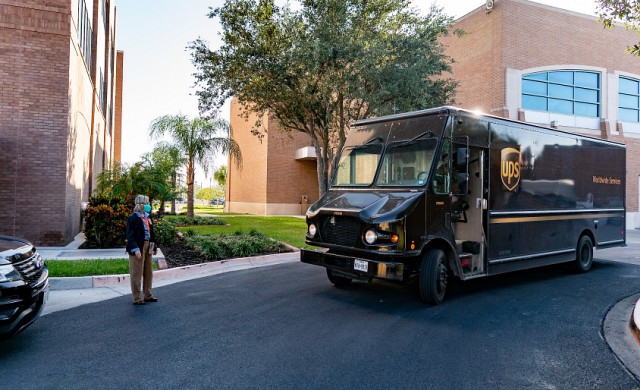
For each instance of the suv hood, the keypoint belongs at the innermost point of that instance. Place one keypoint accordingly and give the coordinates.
(370, 205)
(10, 246)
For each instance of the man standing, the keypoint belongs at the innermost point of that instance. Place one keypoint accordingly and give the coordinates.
(140, 245)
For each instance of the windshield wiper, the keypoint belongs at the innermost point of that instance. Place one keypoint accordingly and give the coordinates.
(414, 139)
(368, 143)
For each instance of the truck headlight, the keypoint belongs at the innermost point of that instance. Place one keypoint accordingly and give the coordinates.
(312, 230)
(370, 237)
(9, 274)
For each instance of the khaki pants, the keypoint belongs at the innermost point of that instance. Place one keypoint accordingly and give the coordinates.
(141, 269)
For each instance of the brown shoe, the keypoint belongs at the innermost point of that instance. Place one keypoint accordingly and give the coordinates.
(139, 303)
(151, 299)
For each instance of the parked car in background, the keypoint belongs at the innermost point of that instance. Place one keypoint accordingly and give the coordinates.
(217, 202)
(24, 285)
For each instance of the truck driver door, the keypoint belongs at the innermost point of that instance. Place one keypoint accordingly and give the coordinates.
(469, 205)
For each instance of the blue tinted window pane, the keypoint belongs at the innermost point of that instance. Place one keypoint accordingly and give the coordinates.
(561, 106)
(534, 87)
(586, 95)
(628, 86)
(534, 103)
(561, 77)
(626, 115)
(536, 76)
(628, 101)
(560, 91)
(586, 109)
(587, 79)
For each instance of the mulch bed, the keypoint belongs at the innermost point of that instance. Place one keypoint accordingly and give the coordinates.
(180, 254)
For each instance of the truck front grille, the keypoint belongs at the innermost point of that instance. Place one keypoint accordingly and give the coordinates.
(339, 230)
(30, 266)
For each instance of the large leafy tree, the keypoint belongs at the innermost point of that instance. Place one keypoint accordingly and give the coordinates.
(198, 139)
(317, 67)
(627, 12)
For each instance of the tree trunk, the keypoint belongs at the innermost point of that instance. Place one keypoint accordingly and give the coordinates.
(190, 181)
(173, 201)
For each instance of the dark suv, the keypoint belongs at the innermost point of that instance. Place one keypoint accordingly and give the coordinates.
(24, 285)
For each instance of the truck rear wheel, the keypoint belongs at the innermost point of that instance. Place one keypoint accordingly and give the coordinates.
(584, 255)
(338, 281)
(433, 277)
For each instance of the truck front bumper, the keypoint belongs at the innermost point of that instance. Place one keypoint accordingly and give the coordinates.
(354, 266)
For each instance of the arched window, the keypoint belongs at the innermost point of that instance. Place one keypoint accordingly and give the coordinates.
(571, 92)
(628, 100)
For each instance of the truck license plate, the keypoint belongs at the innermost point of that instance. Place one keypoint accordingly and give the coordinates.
(361, 265)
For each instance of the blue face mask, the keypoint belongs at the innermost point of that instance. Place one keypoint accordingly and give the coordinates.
(147, 208)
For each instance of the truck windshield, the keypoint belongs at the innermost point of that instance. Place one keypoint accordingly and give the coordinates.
(358, 165)
(407, 164)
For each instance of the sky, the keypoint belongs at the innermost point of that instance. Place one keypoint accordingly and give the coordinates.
(158, 74)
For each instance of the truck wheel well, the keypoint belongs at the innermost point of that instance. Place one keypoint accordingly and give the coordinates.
(448, 251)
(588, 233)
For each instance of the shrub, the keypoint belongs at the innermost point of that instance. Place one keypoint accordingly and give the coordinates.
(105, 222)
(165, 232)
(184, 221)
(224, 246)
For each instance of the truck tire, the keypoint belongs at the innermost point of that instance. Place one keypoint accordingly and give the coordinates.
(584, 255)
(433, 277)
(338, 281)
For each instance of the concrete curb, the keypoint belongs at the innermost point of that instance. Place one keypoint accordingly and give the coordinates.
(212, 268)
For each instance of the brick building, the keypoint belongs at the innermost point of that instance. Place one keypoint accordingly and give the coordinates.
(520, 60)
(58, 115)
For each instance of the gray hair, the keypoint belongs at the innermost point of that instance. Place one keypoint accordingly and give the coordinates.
(141, 200)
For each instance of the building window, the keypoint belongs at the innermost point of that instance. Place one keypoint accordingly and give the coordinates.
(563, 92)
(629, 100)
(85, 32)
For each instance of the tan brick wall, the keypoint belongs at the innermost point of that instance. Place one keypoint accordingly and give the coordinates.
(289, 181)
(247, 184)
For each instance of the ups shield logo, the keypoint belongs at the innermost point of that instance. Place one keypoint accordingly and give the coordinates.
(510, 168)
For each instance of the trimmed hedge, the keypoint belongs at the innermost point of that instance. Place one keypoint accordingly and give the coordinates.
(224, 246)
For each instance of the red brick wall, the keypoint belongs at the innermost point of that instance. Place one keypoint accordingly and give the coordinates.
(34, 104)
(117, 123)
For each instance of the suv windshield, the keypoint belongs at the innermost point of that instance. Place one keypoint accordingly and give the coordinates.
(407, 163)
(358, 165)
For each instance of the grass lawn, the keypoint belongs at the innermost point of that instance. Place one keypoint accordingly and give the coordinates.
(291, 230)
(58, 268)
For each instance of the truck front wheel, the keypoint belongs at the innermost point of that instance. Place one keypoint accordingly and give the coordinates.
(584, 255)
(338, 281)
(433, 277)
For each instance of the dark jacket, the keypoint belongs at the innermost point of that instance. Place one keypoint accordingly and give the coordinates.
(135, 233)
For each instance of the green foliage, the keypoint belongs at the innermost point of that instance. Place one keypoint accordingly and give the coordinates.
(105, 222)
(67, 268)
(217, 247)
(198, 140)
(205, 193)
(320, 66)
(185, 221)
(221, 176)
(291, 230)
(165, 232)
(627, 12)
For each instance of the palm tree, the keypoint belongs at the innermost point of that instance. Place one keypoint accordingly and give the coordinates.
(122, 181)
(199, 140)
(166, 159)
